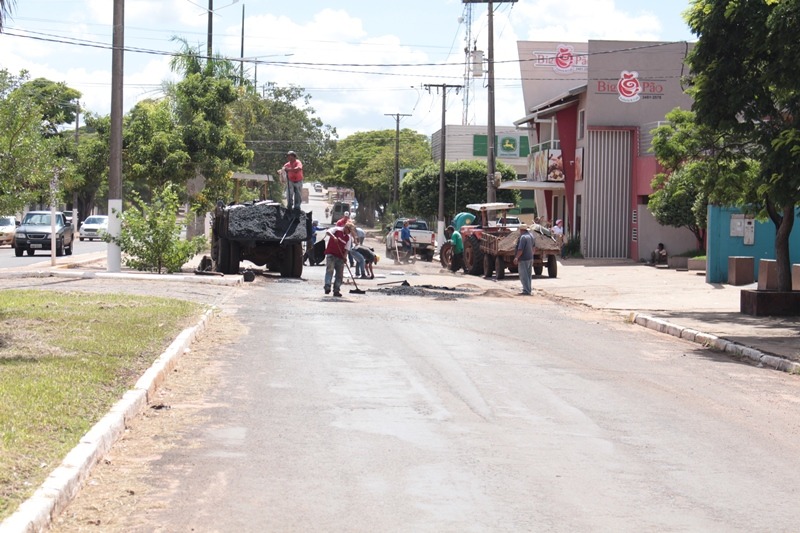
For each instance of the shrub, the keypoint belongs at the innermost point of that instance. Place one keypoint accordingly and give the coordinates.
(150, 235)
(572, 248)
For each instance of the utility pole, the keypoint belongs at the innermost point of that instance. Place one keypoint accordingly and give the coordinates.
(113, 253)
(442, 153)
(210, 28)
(396, 183)
(491, 163)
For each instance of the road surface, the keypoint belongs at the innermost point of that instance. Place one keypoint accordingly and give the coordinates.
(466, 410)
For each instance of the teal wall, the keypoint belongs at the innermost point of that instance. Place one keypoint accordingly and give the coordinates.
(720, 244)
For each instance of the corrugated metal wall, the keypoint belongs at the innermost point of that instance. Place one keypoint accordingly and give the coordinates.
(608, 175)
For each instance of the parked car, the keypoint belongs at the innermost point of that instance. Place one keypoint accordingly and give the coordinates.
(8, 225)
(424, 245)
(94, 227)
(34, 234)
(512, 222)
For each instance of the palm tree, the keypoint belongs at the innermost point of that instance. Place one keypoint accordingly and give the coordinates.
(5, 11)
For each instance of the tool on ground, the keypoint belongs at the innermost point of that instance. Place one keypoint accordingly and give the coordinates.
(403, 283)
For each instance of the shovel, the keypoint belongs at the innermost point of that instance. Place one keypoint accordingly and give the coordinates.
(352, 291)
(403, 283)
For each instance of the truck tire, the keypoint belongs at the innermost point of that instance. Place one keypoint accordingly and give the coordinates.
(488, 265)
(297, 253)
(233, 258)
(500, 267)
(538, 269)
(476, 267)
(552, 266)
(446, 255)
(221, 255)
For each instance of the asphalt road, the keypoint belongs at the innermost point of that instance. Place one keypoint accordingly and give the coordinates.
(43, 257)
(466, 410)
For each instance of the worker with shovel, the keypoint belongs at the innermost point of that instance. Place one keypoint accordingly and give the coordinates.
(339, 243)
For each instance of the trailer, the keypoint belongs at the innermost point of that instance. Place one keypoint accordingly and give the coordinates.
(264, 233)
(489, 248)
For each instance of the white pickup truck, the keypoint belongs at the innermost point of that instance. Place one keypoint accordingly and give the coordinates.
(425, 243)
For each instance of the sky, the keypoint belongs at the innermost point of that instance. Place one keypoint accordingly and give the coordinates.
(362, 62)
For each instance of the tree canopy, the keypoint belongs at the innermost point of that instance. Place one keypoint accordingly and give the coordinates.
(746, 87)
(465, 183)
(364, 162)
(27, 158)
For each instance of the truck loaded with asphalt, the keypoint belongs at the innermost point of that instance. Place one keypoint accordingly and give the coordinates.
(264, 233)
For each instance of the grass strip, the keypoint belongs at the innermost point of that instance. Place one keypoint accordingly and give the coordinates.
(65, 359)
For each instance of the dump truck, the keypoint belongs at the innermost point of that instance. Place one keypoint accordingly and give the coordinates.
(264, 233)
(490, 247)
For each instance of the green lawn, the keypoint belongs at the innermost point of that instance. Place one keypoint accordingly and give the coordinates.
(65, 358)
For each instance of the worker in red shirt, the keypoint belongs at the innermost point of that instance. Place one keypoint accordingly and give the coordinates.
(294, 181)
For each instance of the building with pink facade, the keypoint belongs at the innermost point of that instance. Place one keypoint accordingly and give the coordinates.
(590, 109)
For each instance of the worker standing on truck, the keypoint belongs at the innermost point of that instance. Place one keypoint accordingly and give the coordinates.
(339, 243)
(524, 258)
(457, 259)
(294, 181)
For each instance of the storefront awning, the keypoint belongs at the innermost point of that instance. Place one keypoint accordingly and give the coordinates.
(527, 185)
(545, 109)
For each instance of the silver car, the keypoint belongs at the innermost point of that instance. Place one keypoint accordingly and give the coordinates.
(94, 227)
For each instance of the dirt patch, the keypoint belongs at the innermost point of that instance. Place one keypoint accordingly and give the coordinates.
(120, 494)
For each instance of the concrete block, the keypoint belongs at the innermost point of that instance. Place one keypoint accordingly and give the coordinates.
(741, 270)
(678, 262)
(696, 264)
(767, 275)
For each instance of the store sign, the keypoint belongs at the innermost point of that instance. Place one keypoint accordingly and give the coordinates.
(547, 165)
(508, 147)
(629, 88)
(562, 61)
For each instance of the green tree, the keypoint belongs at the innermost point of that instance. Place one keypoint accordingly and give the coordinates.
(282, 120)
(419, 192)
(155, 154)
(202, 101)
(364, 162)
(746, 87)
(91, 165)
(27, 158)
(678, 198)
(59, 103)
(150, 235)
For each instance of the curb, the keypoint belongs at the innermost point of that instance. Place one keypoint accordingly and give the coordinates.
(62, 485)
(79, 274)
(717, 343)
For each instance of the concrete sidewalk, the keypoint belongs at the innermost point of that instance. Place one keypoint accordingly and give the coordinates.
(683, 301)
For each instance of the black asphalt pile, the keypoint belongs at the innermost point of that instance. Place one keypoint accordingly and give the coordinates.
(266, 222)
(423, 290)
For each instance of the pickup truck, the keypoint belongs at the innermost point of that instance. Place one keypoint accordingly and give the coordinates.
(425, 238)
(34, 234)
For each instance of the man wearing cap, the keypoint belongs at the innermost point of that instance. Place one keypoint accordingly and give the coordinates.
(294, 181)
(524, 258)
(558, 233)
